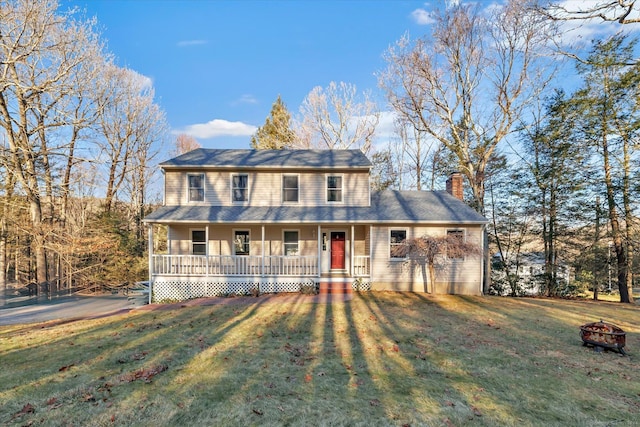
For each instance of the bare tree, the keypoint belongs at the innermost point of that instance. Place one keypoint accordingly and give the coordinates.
(620, 11)
(185, 143)
(42, 54)
(432, 252)
(469, 82)
(125, 111)
(335, 118)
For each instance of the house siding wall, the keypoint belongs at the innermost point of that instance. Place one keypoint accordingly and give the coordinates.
(453, 277)
(265, 188)
(221, 237)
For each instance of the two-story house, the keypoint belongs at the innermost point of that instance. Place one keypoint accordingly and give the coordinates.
(281, 220)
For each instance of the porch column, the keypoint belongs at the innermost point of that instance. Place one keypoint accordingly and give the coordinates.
(370, 251)
(150, 243)
(319, 249)
(262, 260)
(206, 250)
(352, 255)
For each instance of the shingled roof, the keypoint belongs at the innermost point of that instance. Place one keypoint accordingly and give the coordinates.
(389, 206)
(267, 159)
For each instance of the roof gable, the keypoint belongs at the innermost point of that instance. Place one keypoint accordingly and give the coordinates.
(269, 159)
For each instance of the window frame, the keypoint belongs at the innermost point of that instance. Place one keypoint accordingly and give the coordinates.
(199, 189)
(193, 242)
(393, 244)
(284, 243)
(233, 188)
(463, 234)
(340, 190)
(247, 243)
(297, 188)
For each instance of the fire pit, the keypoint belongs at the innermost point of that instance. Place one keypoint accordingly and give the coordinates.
(602, 335)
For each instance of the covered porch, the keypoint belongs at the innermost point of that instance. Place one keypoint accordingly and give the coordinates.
(216, 259)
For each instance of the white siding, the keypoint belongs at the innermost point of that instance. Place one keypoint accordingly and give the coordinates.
(452, 276)
(221, 236)
(265, 188)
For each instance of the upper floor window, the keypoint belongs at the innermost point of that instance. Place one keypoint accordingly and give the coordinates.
(397, 243)
(334, 188)
(455, 238)
(196, 187)
(241, 242)
(290, 188)
(198, 242)
(291, 245)
(240, 188)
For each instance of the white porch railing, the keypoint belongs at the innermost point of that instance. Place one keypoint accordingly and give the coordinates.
(247, 265)
(234, 265)
(361, 266)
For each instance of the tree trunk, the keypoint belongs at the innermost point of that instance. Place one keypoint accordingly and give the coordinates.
(616, 234)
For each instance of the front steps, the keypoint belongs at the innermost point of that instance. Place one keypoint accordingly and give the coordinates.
(335, 286)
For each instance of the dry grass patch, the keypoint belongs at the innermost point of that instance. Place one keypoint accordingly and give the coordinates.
(380, 359)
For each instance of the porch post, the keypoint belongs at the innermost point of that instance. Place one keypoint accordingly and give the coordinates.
(319, 249)
(262, 260)
(370, 252)
(150, 245)
(206, 250)
(351, 255)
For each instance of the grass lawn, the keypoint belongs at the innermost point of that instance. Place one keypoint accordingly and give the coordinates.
(382, 359)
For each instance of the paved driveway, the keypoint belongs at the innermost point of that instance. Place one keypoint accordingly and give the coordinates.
(69, 308)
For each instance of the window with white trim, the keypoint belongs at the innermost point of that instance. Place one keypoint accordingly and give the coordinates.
(198, 242)
(454, 250)
(240, 188)
(291, 243)
(334, 188)
(196, 187)
(397, 244)
(290, 189)
(241, 242)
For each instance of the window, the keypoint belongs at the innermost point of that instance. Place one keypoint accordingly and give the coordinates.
(334, 188)
(196, 187)
(239, 188)
(291, 247)
(454, 240)
(397, 245)
(290, 188)
(198, 242)
(241, 242)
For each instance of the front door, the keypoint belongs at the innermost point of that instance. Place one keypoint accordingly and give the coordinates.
(338, 239)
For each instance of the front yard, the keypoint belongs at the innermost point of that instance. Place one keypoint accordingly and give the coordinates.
(380, 359)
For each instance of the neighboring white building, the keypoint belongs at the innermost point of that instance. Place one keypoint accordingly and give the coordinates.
(530, 271)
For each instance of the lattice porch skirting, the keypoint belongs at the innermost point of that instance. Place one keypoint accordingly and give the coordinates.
(179, 289)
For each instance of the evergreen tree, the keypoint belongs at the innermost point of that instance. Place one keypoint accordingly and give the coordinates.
(609, 121)
(276, 132)
(555, 163)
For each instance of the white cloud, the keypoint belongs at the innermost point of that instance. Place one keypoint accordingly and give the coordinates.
(422, 17)
(245, 99)
(216, 128)
(185, 43)
(387, 125)
(583, 31)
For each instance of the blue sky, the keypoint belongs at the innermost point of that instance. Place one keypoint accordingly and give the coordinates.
(218, 66)
(227, 61)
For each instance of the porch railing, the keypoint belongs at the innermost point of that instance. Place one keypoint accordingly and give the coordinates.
(235, 265)
(248, 265)
(361, 266)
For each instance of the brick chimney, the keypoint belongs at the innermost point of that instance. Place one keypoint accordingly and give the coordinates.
(454, 185)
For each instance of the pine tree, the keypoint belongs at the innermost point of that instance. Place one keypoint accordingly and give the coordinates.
(276, 132)
(609, 122)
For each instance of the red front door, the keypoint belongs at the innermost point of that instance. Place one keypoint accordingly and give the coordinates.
(337, 250)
